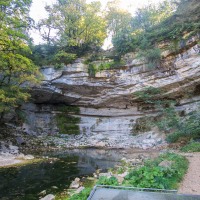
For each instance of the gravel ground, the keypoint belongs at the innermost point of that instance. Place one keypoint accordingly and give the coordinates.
(191, 182)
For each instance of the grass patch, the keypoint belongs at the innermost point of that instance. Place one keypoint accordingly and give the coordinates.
(93, 69)
(191, 147)
(173, 137)
(151, 175)
(83, 195)
(103, 180)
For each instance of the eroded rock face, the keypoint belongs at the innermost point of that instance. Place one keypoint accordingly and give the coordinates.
(108, 110)
(114, 88)
(105, 127)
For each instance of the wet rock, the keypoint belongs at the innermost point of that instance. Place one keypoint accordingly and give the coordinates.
(28, 157)
(13, 149)
(75, 184)
(20, 141)
(20, 156)
(100, 144)
(79, 190)
(49, 197)
(42, 193)
(54, 187)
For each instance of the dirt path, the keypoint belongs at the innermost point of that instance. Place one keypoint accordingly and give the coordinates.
(191, 182)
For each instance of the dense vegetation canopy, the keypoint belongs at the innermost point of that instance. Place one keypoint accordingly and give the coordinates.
(75, 28)
(17, 71)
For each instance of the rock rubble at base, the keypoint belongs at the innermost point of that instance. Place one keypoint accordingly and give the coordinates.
(75, 184)
(148, 140)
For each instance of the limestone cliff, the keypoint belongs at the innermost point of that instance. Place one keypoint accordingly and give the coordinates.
(114, 88)
(108, 111)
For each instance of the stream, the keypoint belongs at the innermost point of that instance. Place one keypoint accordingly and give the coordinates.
(26, 182)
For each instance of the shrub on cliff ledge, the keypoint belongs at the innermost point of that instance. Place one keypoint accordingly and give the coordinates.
(188, 127)
(152, 56)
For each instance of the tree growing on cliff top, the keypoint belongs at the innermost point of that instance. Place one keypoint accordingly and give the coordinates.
(131, 33)
(17, 71)
(79, 26)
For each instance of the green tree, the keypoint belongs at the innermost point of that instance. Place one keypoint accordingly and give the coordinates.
(151, 15)
(17, 71)
(118, 19)
(119, 27)
(78, 25)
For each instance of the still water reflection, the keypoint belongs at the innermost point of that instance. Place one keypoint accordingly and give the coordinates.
(26, 182)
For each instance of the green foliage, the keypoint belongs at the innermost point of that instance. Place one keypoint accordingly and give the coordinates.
(169, 119)
(123, 43)
(173, 137)
(17, 71)
(149, 95)
(103, 180)
(118, 18)
(92, 69)
(153, 24)
(188, 127)
(69, 109)
(51, 55)
(43, 54)
(142, 124)
(153, 57)
(151, 175)
(151, 15)
(64, 57)
(191, 125)
(66, 122)
(93, 57)
(110, 65)
(132, 33)
(191, 147)
(83, 195)
(78, 27)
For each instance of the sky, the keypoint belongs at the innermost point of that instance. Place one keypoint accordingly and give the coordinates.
(38, 12)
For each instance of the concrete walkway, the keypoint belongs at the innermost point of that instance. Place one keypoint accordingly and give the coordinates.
(117, 194)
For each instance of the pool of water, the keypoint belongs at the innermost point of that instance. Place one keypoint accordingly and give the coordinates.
(26, 182)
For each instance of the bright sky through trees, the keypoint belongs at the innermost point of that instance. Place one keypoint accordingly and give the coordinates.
(38, 12)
